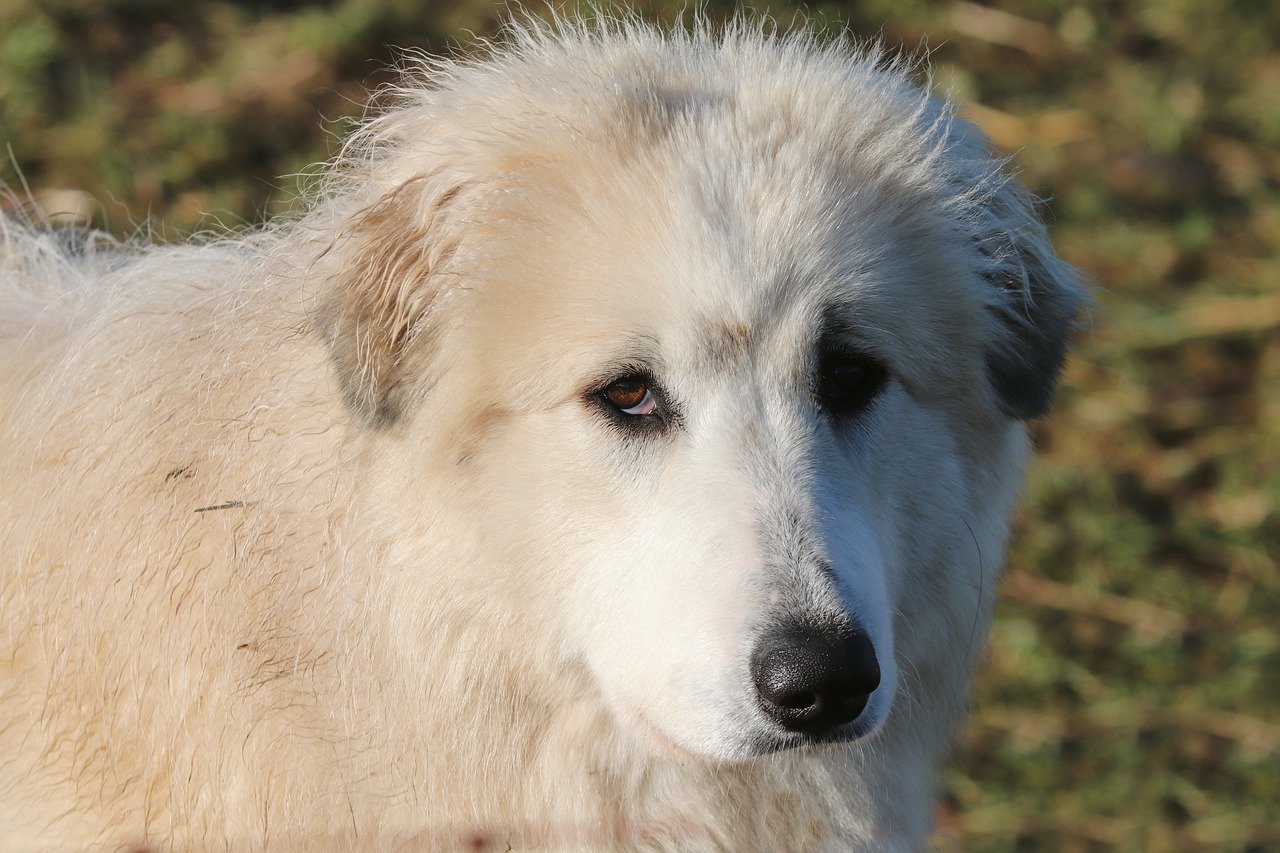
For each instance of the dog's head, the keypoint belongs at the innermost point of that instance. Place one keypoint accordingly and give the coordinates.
(719, 348)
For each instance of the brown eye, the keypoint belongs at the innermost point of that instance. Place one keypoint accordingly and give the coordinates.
(631, 396)
(849, 382)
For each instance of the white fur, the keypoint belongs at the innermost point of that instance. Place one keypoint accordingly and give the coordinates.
(311, 536)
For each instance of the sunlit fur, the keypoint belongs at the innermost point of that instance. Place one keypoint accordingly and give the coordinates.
(317, 536)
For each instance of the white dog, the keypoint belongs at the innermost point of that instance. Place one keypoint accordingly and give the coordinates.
(617, 452)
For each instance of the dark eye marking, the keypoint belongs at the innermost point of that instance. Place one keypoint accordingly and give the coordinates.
(848, 381)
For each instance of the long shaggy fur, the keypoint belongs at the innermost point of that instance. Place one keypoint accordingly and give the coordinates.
(307, 539)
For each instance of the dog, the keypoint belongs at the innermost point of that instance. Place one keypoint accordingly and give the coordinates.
(617, 451)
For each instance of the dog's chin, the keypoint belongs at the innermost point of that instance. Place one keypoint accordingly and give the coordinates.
(771, 743)
(764, 740)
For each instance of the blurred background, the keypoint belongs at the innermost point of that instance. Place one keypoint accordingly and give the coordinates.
(1131, 693)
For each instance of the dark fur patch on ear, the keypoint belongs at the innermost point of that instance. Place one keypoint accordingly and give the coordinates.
(1040, 298)
(381, 304)
(1024, 370)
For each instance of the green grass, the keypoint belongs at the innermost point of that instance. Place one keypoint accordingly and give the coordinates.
(1130, 697)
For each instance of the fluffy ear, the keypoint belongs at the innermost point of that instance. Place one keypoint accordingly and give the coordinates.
(1037, 299)
(380, 309)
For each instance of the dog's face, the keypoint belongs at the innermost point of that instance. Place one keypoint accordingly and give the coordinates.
(744, 406)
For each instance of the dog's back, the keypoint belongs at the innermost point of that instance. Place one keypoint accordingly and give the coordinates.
(149, 408)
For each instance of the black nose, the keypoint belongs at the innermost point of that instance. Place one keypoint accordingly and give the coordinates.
(812, 680)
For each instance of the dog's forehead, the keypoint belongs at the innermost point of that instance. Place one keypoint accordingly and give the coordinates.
(740, 235)
(735, 255)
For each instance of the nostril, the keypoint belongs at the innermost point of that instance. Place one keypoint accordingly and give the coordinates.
(814, 680)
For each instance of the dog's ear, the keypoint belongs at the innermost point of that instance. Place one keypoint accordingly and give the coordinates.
(1036, 301)
(380, 310)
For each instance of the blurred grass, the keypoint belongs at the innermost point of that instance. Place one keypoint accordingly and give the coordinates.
(1132, 692)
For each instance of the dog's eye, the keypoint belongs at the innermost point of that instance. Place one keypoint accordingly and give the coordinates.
(631, 396)
(847, 382)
